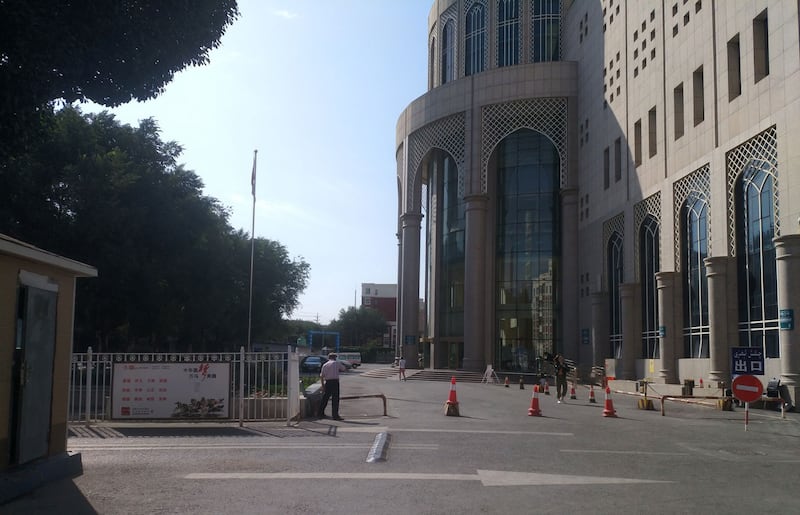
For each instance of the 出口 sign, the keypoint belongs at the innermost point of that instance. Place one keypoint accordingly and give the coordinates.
(171, 390)
(747, 360)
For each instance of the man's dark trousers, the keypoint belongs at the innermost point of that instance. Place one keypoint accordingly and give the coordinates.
(332, 393)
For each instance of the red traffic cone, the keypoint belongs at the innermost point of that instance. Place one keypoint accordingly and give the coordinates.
(451, 406)
(591, 395)
(701, 382)
(546, 387)
(572, 392)
(608, 409)
(534, 410)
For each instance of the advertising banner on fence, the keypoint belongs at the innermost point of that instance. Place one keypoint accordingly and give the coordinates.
(171, 390)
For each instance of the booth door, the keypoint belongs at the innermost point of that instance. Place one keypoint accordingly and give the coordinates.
(33, 372)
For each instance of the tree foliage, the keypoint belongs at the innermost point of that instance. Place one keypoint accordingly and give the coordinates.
(110, 52)
(173, 274)
(359, 326)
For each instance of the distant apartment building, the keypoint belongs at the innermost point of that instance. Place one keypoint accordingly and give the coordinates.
(382, 298)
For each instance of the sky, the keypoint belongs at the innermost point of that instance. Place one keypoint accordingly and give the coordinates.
(316, 86)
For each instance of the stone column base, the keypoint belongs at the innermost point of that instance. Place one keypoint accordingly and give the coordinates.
(794, 394)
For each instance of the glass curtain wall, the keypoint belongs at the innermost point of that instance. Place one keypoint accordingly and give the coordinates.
(475, 40)
(507, 32)
(449, 281)
(695, 284)
(615, 264)
(546, 29)
(448, 52)
(648, 267)
(758, 287)
(528, 251)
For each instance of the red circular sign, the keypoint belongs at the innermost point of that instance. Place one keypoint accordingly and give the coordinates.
(747, 388)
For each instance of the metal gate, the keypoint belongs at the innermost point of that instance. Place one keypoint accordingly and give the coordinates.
(263, 385)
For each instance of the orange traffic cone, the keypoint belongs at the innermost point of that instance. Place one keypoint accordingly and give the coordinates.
(591, 395)
(546, 387)
(608, 410)
(534, 410)
(572, 392)
(506, 383)
(451, 406)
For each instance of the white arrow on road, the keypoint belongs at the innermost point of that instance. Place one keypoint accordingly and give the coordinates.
(486, 477)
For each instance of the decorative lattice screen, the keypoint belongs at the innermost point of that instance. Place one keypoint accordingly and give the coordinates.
(699, 184)
(760, 152)
(545, 115)
(649, 206)
(446, 134)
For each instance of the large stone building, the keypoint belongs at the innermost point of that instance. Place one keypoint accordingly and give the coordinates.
(615, 180)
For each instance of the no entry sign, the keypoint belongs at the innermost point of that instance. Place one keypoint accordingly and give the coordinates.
(747, 388)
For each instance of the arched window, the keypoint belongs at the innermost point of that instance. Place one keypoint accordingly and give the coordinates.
(648, 267)
(694, 227)
(507, 32)
(758, 288)
(527, 251)
(614, 262)
(448, 52)
(475, 40)
(432, 64)
(546, 31)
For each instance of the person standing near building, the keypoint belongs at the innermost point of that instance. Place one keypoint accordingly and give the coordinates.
(561, 376)
(402, 365)
(330, 386)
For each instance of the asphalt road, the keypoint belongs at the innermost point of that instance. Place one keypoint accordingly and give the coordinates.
(494, 458)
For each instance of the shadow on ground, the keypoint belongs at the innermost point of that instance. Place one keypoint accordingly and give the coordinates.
(58, 497)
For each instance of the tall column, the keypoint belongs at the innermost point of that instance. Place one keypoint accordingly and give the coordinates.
(570, 322)
(787, 256)
(408, 325)
(670, 321)
(475, 302)
(630, 301)
(398, 305)
(600, 348)
(718, 319)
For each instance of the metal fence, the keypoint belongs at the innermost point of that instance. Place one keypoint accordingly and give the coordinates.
(263, 385)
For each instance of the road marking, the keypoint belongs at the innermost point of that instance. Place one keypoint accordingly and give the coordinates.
(448, 431)
(176, 447)
(486, 477)
(648, 453)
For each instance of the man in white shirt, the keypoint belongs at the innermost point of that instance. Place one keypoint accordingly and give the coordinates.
(402, 365)
(330, 385)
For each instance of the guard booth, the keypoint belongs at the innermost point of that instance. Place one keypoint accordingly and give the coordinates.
(37, 292)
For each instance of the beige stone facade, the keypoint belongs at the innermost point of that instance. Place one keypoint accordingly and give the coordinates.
(664, 116)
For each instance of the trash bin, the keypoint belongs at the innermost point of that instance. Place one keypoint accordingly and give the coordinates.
(688, 387)
(773, 387)
(313, 395)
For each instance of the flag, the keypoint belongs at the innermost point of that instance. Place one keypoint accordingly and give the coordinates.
(253, 176)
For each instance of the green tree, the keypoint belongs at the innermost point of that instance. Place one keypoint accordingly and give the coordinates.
(109, 52)
(173, 275)
(359, 326)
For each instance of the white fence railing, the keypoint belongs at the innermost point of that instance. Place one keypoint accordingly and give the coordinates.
(263, 385)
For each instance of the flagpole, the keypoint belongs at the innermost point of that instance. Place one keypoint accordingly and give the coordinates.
(252, 252)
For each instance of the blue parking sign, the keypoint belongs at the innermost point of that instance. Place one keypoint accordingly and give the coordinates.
(747, 360)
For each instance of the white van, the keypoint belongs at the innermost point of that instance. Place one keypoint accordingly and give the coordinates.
(353, 357)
